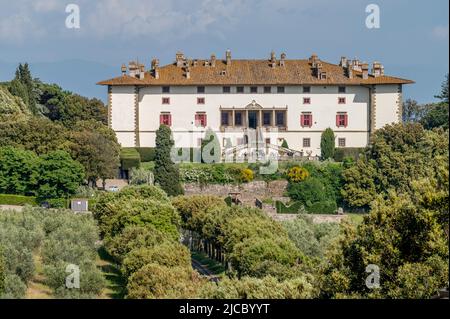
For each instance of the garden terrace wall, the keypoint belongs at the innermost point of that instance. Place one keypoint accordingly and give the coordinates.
(250, 191)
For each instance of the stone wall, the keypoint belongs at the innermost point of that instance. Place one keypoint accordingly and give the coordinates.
(249, 191)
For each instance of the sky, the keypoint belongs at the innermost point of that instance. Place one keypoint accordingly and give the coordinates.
(412, 40)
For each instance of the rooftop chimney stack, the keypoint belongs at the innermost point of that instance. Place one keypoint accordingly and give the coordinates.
(313, 60)
(377, 69)
(187, 72)
(136, 70)
(343, 63)
(124, 69)
(365, 71)
(155, 68)
(349, 69)
(273, 59)
(356, 65)
(283, 59)
(228, 57)
(213, 60)
(180, 59)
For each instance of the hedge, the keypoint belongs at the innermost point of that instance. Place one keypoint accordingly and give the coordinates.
(352, 152)
(129, 158)
(325, 207)
(283, 209)
(147, 154)
(17, 200)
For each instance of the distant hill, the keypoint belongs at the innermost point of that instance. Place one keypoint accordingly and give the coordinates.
(10, 104)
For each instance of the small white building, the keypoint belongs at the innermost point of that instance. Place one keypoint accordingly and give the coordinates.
(277, 99)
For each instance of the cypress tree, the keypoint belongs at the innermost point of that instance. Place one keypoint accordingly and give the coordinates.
(167, 175)
(327, 144)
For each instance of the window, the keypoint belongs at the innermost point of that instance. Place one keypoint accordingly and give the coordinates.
(200, 89)
(224, 120)
(240, 89)
(226, 89)
(306, 89)
(306, 100)
(342, 120)
(238, 119)
(267, 118)
(200, 100)
(267, 89)
(341, 100)
(166, 89)
(280, 89)
(307, 142)
(306, 120)
(166, 100)
(165, 119)
(200, 120)
(341, 142)
(279, 117)
(341, 89)
(254, 89)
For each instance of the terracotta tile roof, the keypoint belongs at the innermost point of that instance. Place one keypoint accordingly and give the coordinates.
(253, 72)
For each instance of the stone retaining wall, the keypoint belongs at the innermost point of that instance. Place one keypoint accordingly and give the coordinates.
(249, 191)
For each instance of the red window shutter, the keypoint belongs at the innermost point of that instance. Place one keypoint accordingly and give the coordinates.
(345, 120)
(310, 120)
(197, 120)
(161, 119)
(302, 120)
(205, 120)
(170, 119)
(337, 120)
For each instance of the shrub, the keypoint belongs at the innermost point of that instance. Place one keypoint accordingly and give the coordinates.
(129, 158)
(168, 253)
(295, 208)
(18, 170)
(18, 200)
(323, 207)
(311, 190)
(247, 175)
(155, 281)
(297, 174)
(133, 237)
(2, 271)
(140, 176)
(348, 152)
(14, 287)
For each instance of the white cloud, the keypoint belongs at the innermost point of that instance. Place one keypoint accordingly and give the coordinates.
(440, 32)
(17, 28)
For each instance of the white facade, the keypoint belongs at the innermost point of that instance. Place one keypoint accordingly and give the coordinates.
(135, 113)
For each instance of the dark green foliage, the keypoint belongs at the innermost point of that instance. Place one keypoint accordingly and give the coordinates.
(397, 155)
(323, 207)
(58, 175)
(443, 96)
(294, 208)
(130, 158)
(147, 154)
(17, 171)
(24, 86)
(436, 116)
(327, 144)
(166, 173)
(341, 154)
(285, 144)
(310, 191)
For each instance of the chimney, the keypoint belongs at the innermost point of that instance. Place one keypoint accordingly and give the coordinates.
(124, 69)
(349, 69)
(273, 59)
(179, 59)
(136, 70)
(213, 60)
(155, 68)
(187, 72)
(365, 71)
(282, 59)
(228, 57)
(343, 63)
(377, 69)
(313, 59)
(356, 65)
(317, 69)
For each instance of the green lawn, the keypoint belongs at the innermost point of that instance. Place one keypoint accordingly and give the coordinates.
(356, 218)
(115, 283)
(212, 265)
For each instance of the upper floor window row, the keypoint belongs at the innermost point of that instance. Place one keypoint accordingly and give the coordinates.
(253, 89)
